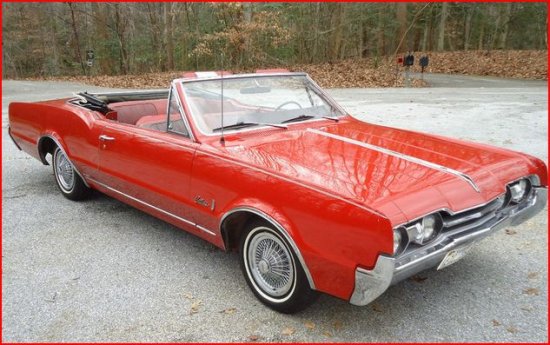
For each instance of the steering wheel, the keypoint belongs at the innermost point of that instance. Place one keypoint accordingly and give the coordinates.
(289, 102)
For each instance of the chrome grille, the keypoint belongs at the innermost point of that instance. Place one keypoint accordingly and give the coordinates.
(451, 222)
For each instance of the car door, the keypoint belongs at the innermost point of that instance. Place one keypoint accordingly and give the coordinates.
(149, 165)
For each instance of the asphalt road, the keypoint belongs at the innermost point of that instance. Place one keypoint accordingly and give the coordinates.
(100, 270)
(468, 81)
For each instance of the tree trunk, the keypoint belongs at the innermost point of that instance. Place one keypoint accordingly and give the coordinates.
(315, 49)
(401, 17)
(467, 26)
(123, 51)
(78, 53)
(336, 37)
(381, 37)
(364, 42)
(248, 11)
(103, 55)
(481, 40)
(546, 32)
(156, 34)
(426, 34)
(168, 34)
(494, 12)
(442, 22)
(505, 25)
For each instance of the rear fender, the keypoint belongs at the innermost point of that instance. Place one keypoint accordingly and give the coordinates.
(59, 142)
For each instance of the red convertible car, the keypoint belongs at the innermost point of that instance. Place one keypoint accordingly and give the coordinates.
(269, 165)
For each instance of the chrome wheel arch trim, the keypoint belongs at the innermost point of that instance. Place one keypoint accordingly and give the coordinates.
(43, 156)
(411, 159)
(281, 230)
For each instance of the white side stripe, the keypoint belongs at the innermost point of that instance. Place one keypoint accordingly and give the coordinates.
(412, 159)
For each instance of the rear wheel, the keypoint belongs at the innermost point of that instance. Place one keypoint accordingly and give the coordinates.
(69, 182)
(272, 271)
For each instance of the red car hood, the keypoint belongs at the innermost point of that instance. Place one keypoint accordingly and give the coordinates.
(400, 174)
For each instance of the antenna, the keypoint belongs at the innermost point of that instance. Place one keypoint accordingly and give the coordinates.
(222, 139)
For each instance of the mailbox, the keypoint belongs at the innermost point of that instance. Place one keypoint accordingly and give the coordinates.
(424, 62)
(408, 60)
(90, 57)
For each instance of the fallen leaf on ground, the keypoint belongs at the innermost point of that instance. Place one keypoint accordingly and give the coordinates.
(418, 279)
(376, 307)
(253, 337)
(195, 307)
(527, 308)
(337, 325)
(510, 232)
(496, 323)
(531, 291)
(532, 275)
(288, 331)
(368, 72)
(512, 329)
(309, 325)
(229, 310)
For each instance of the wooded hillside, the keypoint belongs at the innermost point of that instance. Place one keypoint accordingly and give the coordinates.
(51, 39)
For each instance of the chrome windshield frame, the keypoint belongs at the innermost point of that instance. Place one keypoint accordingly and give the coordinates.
(322, 94)
(183, 114)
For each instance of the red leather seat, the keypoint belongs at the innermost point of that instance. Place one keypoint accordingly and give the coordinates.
(151, 119)
(158, 122)
(130, 112)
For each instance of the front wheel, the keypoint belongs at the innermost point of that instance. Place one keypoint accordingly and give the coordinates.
(69, 182)
(271, 270)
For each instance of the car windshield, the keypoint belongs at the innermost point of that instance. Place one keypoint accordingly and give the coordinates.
(256, 101)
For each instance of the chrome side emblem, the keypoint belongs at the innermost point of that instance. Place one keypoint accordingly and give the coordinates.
(201, 201)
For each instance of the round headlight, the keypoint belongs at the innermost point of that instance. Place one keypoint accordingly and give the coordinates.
(519, 190)
(400, 241)
(429, 224)
(426, 229)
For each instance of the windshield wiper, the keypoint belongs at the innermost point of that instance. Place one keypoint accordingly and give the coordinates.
(242, 124)
(299, 118)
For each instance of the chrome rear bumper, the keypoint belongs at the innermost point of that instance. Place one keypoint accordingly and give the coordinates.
(369, 284)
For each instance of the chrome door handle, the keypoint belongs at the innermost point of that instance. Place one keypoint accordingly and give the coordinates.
(106, 138)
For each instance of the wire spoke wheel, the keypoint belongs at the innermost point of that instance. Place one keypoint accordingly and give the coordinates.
(64, 171)
(272, 269)
(271, 264)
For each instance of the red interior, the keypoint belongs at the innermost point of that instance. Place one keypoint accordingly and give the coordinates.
(130, 112)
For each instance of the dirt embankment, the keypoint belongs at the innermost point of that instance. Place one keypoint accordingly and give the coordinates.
(373, 72)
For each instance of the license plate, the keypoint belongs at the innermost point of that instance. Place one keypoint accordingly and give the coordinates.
(453, 256)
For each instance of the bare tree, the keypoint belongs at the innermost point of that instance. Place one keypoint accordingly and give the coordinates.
(441, 29)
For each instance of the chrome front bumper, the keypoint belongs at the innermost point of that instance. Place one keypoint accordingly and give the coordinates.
(369, 284)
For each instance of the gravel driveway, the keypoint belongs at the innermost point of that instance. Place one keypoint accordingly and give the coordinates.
(100, 270)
